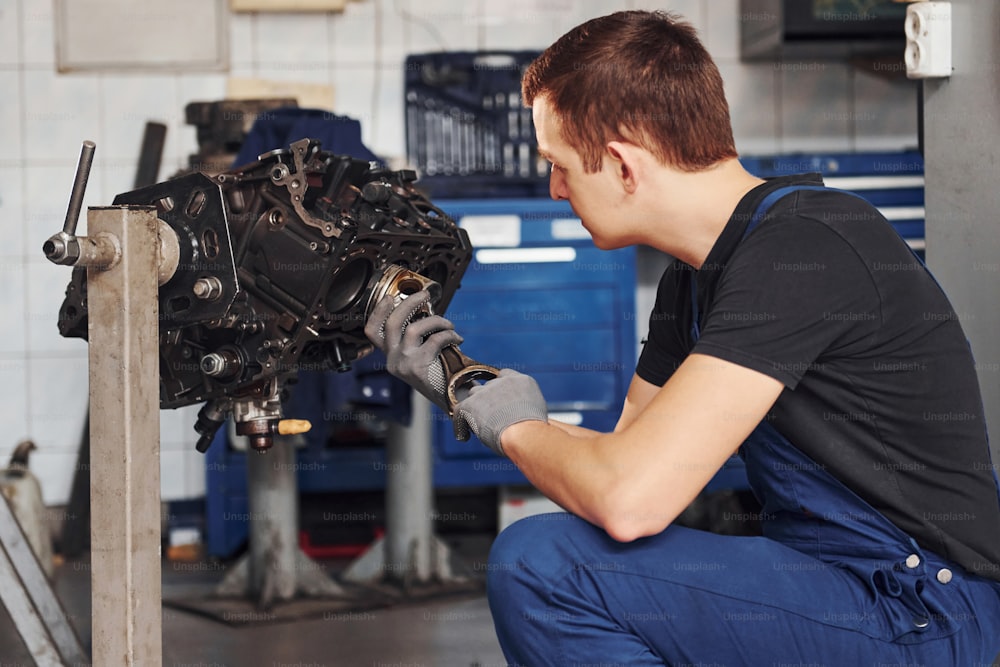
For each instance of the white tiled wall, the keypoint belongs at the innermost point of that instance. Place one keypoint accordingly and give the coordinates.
(44, 116)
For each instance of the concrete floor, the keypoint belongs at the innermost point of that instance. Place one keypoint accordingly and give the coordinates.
(448, 632)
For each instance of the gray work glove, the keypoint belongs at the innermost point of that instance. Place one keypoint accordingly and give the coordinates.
(411, 346)
(490, 408)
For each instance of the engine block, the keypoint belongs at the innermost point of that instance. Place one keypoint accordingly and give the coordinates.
(279, 262)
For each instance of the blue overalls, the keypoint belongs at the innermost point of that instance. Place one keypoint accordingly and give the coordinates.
(831, 583)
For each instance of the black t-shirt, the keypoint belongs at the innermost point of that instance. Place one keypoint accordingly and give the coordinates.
(880, 386)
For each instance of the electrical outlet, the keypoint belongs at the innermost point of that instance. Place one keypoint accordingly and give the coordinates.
(928, 39)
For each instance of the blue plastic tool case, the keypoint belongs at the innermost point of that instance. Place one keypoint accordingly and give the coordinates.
(467, 132)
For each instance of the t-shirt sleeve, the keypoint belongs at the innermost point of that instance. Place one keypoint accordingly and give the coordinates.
(666, 344)
(794, 292)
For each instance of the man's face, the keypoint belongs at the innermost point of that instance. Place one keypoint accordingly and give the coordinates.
(592, 196)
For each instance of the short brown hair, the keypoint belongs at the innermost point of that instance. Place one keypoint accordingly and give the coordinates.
(637, 76)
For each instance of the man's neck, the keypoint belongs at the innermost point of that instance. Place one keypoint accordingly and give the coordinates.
(698, 208)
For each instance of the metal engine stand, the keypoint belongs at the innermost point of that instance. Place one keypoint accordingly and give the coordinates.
(122, 257)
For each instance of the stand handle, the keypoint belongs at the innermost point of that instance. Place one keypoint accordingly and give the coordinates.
(64, 247)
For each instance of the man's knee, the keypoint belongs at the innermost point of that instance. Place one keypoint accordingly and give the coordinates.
(531, 552)
(524, 563)
(536, 541)
(518, 545)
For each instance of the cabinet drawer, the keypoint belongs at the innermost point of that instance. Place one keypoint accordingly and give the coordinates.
(534, 351)
(512, 308)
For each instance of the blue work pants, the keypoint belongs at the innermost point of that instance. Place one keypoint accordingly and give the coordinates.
(832, 583)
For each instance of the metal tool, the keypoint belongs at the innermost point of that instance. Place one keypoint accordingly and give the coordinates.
(65, 247)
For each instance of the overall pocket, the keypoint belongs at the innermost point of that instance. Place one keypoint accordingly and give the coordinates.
(908, 605)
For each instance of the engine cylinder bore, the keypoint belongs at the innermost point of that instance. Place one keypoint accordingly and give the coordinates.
(348, 285)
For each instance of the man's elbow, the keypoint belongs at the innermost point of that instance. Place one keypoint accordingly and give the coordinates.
(625, 521)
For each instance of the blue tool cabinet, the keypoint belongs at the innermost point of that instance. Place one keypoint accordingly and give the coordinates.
(538, 297)
(541, 299)
(892, 181)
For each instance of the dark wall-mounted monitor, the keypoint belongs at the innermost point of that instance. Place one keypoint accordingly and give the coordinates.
(821, 29)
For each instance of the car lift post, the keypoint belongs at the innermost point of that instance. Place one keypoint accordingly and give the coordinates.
(409, 556)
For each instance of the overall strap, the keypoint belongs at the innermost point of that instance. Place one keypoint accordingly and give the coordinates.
(774, 196)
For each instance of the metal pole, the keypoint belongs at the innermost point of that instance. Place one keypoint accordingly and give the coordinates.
(274, 523)
(274, 569)
(409, 497)
(409, 553)
(125, 441)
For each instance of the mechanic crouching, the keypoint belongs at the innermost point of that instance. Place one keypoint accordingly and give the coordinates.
(796, 328)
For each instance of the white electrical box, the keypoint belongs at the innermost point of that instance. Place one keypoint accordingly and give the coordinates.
(928, 39)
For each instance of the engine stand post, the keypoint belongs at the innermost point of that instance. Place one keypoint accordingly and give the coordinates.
(125, 440)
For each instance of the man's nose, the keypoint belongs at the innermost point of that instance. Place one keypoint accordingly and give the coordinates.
(557, 185)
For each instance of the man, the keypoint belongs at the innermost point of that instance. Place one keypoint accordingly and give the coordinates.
(796, 328)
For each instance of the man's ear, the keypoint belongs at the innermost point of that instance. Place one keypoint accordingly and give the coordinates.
(626, 160)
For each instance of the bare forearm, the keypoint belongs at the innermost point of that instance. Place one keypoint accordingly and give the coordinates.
(561, 461)
(605, 479)
(635, 481)
(575, 431)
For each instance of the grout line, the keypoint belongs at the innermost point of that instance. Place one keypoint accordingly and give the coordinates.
(22, 96)
(376, 99)
(480, 25)
(36, 355)
(254, 56)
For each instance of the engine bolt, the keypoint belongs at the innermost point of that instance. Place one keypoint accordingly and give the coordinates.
(208, 288)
